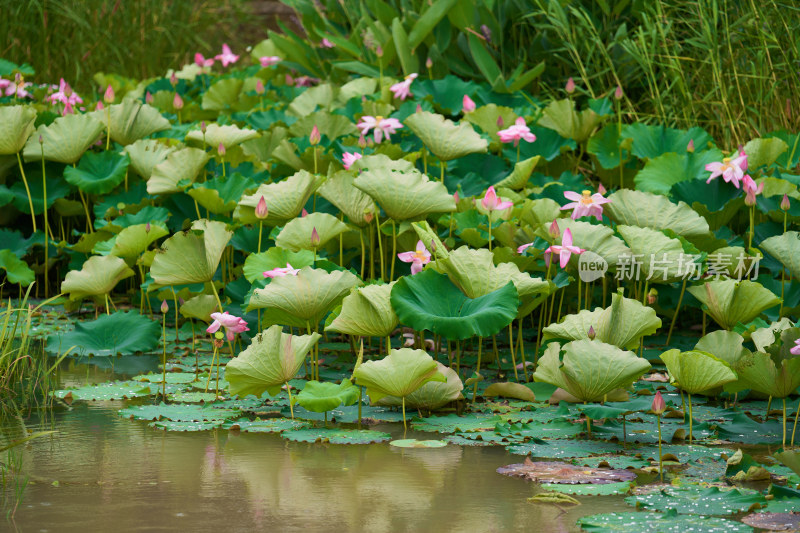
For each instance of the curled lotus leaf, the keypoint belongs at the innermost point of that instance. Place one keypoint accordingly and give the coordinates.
(256, 264)
(16, 125)
(221, 195)
(320, 397)
(132, 120)
(98, 276)
(98, 172)
(145, 154)
(445, 139)
(228, 135)
(775, 371)
(561, 116)
(564, 473)
(191, 256)
(729, 302)
(177, 172)
(17, 270)
(786, 249)
(433, 394)
(398, 374)
(518, 178)
(695, 371)
(134, 240)
(271, 360)
(658, 257)
(400, 189)
(297, 234)
(123, 332)
(285, 199)
(199, 307)
(338, 189)
(65, 140)
(366, 311)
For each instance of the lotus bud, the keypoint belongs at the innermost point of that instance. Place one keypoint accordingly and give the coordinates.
(181, 300)
(173, 79)
(652, 296)
(261, 209)
(429, 63)
(591, 333)
(148, 98)
(456, 197)
(108, 97)
(177, 102)
(659, 405)
(368, 216)
(379, 51)
(554, 230)
(467, 104)
(749, 199)
(41, 141)
(618, 92)
(147, 228)
(487, 33)
(785, 205)
(164, 306)
(203, 127)
(314, 237)
(221, 150)
(99, 106)
(570, 86)
(690, 146)
(260, 87)
(362, 142)
(500, 122)
(419, 109)
(602, 190)
(314, 138)
(289, 79)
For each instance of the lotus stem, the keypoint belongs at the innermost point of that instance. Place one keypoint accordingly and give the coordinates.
(644, 294)
(794, 429)
(784, 422)
(579, 294)
(441, 171)
(388, 343)
(27, 190)
(89, 226)
(517, 151)
(214, 290)
(477, 369)
(522, 352)
(783, 269)
(405, 427)
(490, 230)
(291, 405)
(363, 251)
(175, 299)
(766, 414)
(660, 456)
(360, 395)
(691, 419)
(511, 346)
(213, 358)
(108, 128)
(47, 230)
(394, 248)
(108, 312)
(704, 323)
(260, 229)
(341, 253)
(458, 357)
(683, 407)
(164, 357)
(380, 245)
(752, 217)
(675, 316)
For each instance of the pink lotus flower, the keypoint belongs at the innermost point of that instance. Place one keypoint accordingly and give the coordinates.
(348, 158)
(17, 89)
(268, 61)
(315, 239)
(418, 258)
(227, 57)
(785, 204)
(564, 251)
(382, 126)
(796, 349)
(314, 137)
(731, 169)
(261, 211)
(202, 62)
(279, 272)
(232, 324)
(305, 81)
(492, 202)
(690, 146)
(108, 97)
(570, 86)
(177, 102)
(516, 132)
(751, 190)
(467, 105)
(402, 90)
(585, 204)
(65, 95)
(260, 87)
(659, 405)
(325, 43)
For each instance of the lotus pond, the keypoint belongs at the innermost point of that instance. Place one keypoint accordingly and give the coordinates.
(242, 297)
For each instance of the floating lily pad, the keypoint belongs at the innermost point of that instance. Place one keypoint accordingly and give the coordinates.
(564, 473)
(611, 461)
(121, 390)
(662, 523)
(270, 425)
(608, 489)
(193, 397)
(124, 332)
(178, 413)
(563, 449)
(414, 443)
(185, 426)
(336, 436)
(774, 521)
(694, 499)
(455, 423)
(172, 377)
(349, 414)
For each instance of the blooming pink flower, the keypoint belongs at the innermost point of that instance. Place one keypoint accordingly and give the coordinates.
(202, 62)
(796, 349)
(325, 43)
(516, 132)
(305, 81)
(751, 190)
(418, 258)
(348, 158)
(382, 126)
(268, 61)
(585, 204)
(402, 89)
(232, 324)
(64, 95)
(564, 251)
(279, 272)
(227, 57)
(731, 169)
(467, 104)
(492, 202)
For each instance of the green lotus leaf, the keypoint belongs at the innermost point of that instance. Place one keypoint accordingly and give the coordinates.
(733, 260)
(228, 135)
(131, 121)
(485, 117)
(764, 152)
(775, 370)
(790, 459)
(725, 345)
(302, 300)
(261, 148)
(124, 333)
(786, 249)
(306, 102)
(589, 369)
(433, 394)
(98, 172)
(767, 336)
(609, 147)
(598, 239)
(519, 177)
(367, 312)
(430, 301)
(729, 302)
(561, 116)
(65, 140)
(221, 195)
(16, 125)
(222, 94)
(330, 125)
(189, 257)
(443, 138)
(134, 240)
(272, 359)
(178, 171)
(338, 189)
(669, 522)
(98, 276)
(695, 371)
(296, 235)
(57, 189)
(256, 264)
(651, 141)
(199, 307)
(654, 211)
(123, 390)
(660, 259)
(622, 324)
(661, 173)
(285, 199)
(398, 374)
(510, 389)
(400, 189)
(146, 154)
(17, 270)
(695, 500)
(539, 211)
(336, 435)
(321, 397)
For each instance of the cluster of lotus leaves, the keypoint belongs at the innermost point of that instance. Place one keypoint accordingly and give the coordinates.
(398, 374)
(730, 302)
(285, 200)
(433, 394)
(622, 324)
(271, 360)
(589, 369)
(191, 256)
(366, 312)
(221, 195)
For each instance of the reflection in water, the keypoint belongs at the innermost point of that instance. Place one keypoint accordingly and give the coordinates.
(119, 475)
